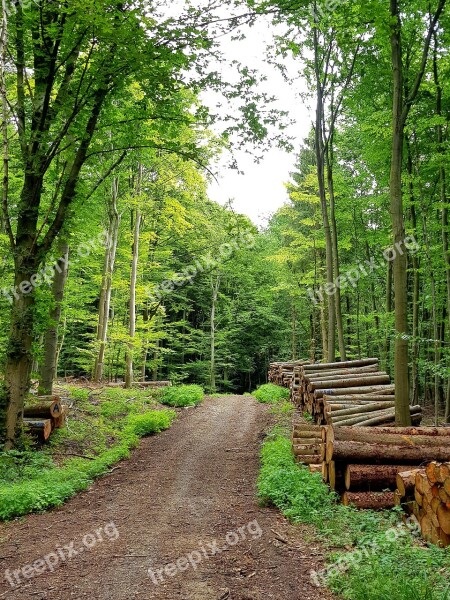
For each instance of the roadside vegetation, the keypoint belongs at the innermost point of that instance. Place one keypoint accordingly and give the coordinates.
(103, 427)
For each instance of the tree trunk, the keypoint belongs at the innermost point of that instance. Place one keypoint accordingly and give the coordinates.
(320, 158)
(334, 235)
(133, 281)
(215, 285)
(50, 364)
(403, 416)
(366, 478)
(106, 290)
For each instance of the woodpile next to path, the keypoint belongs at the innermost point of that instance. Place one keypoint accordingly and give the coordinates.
(351, 393)
(425, 494)
(42, 418)
(358, 450)
(363, 464)
(282, 373)
(307, 445)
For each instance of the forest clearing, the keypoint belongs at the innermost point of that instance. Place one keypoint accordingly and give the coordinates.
(225, 299)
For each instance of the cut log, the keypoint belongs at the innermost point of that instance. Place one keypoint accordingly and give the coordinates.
(315, 469)
(325, 472)
(41, 428)
(298, 441)
(406, 482)
(369, 500)
(44, 410)
(361, 410)
(367, 380)
(336, 476)
(355, 400)
(307, 450)
(341, 365)
(355, 390)
(373, 436)
(387, 416)
(443, 515)
(384, 454)
(375, 478)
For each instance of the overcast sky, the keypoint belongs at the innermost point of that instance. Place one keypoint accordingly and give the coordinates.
(260, 191)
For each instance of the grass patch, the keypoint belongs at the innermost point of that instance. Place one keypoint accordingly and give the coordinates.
(182, 395)
(392, 563)
(103, 428)
(271, 394)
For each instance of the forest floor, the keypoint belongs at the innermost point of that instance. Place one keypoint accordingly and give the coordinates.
(169, 509)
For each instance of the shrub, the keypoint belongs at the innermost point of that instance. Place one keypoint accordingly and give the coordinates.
(271, 394)
(182, 395)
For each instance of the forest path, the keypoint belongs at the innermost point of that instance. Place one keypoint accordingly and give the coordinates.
(175, 499)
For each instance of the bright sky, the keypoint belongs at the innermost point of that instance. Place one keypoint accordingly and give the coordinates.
(260, 191)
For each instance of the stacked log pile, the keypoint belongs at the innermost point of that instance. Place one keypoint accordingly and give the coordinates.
(43, 417)
(352, 393)
(425, 493)
(307, 445)
(363, 463)
(282, 373)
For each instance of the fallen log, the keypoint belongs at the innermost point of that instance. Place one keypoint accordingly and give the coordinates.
(367, 380)
(336, 476)
(369, 500)
(376, 453)
(370, 389)
(315, 468)
(384, 435)
(372, 478)
(44, 410)
(42, 428)
(342, 365)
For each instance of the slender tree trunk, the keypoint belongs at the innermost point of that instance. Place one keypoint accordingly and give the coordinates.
(335, 245)
(215, 285)
(444, 201)
(320, 159)
(49, 365)
(403, 417)
(416, 288)
(106, 290)
(132, 308)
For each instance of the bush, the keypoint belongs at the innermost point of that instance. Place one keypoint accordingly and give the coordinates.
(182, 395)
(271, 394)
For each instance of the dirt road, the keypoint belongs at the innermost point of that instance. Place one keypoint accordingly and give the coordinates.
(178, 521)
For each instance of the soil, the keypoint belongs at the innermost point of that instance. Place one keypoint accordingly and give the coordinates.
(184, 506)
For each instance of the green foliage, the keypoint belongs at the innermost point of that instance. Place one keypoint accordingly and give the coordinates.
(399, 568)
(104, 430)
(182, 395)
(271, 394)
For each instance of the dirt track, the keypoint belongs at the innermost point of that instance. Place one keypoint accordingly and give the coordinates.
(176, 499)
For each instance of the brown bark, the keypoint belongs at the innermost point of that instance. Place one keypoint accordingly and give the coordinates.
(46, 410)
(347, 383)
(375, 478)
(369, 500)
(114, 219)
(384, 454)
(50, 364)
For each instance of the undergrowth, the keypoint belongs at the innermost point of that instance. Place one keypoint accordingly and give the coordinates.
(372, 556)
(102, 429)
(182, 395)
(271, 394)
